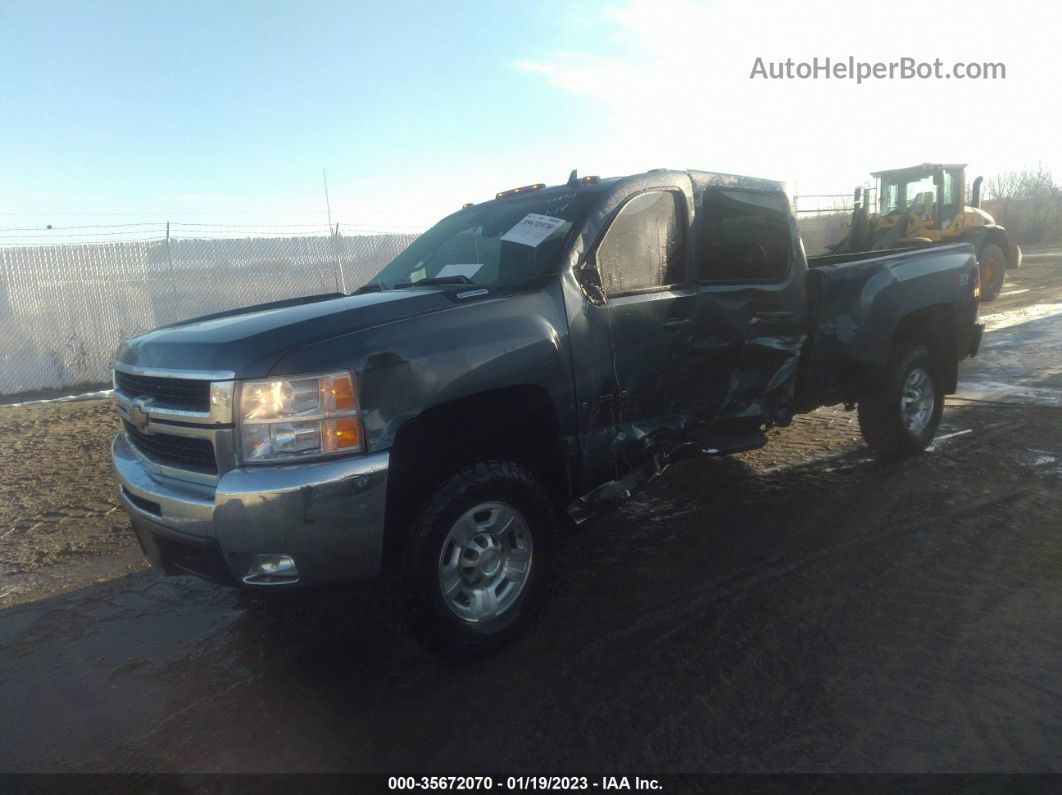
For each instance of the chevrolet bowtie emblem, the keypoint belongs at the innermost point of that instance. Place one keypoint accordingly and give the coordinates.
(138, 413)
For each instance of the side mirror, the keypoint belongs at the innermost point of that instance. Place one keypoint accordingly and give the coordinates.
(590, 282)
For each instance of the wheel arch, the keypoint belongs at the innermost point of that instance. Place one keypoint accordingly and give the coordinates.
(516, 423)
(993, 233)
(936, 327)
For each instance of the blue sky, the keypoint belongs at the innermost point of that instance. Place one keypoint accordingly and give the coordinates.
(172, 107)
(122, 112)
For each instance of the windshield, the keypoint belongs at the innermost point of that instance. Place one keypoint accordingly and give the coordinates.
(501, 244)
(915, 195)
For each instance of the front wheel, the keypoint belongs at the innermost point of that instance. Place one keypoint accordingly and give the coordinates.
(901, 414)
(476, 564)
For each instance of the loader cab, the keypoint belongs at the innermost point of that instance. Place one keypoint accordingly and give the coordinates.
(933, 193)
(926, 204)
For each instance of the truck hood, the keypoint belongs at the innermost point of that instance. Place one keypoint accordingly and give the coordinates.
(248, 342)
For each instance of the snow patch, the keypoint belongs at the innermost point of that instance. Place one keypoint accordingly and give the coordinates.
(1000, 320)
(103, 393)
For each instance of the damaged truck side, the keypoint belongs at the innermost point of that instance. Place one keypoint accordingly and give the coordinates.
(524, 363)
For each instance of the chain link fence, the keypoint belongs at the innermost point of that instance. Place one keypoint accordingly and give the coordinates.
(64, 309)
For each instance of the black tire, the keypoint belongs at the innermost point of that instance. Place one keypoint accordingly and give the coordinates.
(993, 269)
(427, 614)
(881, 411)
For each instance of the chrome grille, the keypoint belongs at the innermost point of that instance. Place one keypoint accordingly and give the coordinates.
(186, 452)
(176, 392)
(179, 422)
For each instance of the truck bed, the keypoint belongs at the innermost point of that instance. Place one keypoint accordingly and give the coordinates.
(854, 296)
(856, 256)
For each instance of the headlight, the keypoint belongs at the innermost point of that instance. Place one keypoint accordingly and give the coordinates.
(289, 418)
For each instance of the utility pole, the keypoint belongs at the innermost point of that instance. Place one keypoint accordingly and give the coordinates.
(342, 277)
(328, 204)
(173, 279)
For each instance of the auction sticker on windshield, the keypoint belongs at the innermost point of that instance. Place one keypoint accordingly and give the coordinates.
(533, 229)
(468, 271)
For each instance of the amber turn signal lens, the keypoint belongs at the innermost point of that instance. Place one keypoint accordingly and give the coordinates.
(337, 393)
(342, 434)
(343, 393)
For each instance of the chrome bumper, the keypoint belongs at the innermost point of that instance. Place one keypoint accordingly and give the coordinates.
(328, 516)
(978, 335)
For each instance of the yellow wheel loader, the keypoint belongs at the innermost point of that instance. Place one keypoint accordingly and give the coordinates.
(924, 205)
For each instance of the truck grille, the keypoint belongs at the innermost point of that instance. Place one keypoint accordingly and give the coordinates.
(180, 451)
(176, 392)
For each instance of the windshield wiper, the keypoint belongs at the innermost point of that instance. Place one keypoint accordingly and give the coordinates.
(456, 279)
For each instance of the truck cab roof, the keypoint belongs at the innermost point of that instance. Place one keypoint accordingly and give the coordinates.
(701, 180)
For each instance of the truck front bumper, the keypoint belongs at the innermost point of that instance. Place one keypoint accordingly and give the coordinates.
(326, 517)
(978, 335)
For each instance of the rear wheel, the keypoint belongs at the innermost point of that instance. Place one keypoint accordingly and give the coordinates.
(901, 414)
(475, 568)
(992, 265)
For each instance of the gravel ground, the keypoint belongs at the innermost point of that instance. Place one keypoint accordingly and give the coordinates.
(57, 494)
(797, 608)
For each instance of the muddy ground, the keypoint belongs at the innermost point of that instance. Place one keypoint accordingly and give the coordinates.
(797, 608)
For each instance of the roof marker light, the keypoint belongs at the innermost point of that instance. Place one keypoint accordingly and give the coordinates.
(524, 189)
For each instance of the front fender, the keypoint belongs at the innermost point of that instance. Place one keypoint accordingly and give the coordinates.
(410, 366)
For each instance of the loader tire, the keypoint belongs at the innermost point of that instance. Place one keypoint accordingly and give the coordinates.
(992, 266)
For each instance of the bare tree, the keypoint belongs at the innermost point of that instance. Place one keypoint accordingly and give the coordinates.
(1028, 203)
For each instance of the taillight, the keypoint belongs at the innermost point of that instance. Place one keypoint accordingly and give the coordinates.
(977, 285)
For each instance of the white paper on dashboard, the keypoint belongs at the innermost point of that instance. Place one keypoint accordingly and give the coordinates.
(468, 271)
(533, 229)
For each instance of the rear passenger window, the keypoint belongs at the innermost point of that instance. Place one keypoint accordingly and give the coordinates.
(742, 236)
(645, 245)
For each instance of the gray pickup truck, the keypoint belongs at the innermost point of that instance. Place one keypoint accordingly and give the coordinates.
(523, 364)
